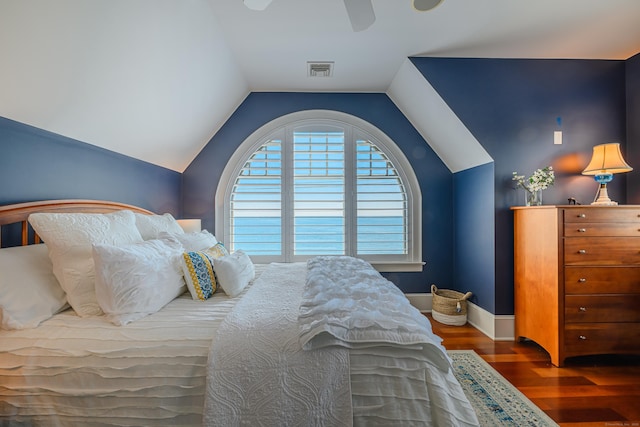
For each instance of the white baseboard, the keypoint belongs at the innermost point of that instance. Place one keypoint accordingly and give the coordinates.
(420, 301)
(496, 327)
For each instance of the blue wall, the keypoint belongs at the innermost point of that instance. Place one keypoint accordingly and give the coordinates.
(633, 128)
(40, 165)
(201, 177)
(474, 243)
(512, 107)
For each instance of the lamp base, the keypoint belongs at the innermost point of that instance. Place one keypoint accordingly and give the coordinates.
(605, 203)
(602, 197)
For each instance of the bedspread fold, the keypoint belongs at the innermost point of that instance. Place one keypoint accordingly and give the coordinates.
(347, 303)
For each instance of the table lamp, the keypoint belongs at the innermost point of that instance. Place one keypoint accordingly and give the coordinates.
(190, 225)
(605, 161)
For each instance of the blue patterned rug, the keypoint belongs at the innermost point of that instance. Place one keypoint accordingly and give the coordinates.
(495, 400)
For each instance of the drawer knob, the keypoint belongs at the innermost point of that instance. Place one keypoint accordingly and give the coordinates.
(582, 251)
(582, 216)
(582, 230)
(582, 337)
(582, 280)
(583, 309)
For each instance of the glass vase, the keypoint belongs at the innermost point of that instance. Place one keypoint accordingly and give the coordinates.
(533, 198)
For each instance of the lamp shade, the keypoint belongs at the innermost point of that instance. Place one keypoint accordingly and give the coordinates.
(606, 159)
(190, 225)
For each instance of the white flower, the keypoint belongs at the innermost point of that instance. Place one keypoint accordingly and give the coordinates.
(540, 180)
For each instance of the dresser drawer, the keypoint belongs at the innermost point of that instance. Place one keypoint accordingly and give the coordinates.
(577, 279)
(602, 229)
(602, 251)
(602, 308)
(601, 338)
(602, 280)
(610, 214)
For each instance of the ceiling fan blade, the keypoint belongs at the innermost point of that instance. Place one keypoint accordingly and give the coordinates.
(360, 14)
(424, 5)
(257, 4)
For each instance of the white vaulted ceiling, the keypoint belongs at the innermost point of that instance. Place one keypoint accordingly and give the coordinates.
(155, 79)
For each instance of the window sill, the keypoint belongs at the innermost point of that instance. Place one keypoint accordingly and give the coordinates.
(389, 267)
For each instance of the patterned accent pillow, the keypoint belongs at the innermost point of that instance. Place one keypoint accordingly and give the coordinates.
(198, 273)
(197, 267)
(217, 250)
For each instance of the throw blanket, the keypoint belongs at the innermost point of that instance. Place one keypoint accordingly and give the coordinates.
(258, 373)
(347, 303)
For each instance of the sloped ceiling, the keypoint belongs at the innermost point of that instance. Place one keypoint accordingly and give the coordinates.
(155, 79)
(152, 79)
(435, 121)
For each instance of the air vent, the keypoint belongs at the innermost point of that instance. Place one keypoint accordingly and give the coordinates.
(320, 69)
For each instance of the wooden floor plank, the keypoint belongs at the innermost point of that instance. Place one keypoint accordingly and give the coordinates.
(589, 391)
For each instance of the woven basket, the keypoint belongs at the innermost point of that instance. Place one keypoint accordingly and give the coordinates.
(449, 307)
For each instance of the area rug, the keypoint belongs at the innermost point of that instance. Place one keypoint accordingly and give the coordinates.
(496, 401)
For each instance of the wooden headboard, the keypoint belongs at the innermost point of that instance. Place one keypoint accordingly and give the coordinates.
(19, 213)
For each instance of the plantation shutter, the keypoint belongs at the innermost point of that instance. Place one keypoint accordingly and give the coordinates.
(318, 193)
(381, 203)
(256, 202)
(319, 188)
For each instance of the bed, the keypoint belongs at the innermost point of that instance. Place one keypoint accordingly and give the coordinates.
(264, 345)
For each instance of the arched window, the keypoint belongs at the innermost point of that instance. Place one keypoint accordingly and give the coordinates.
(321, 183)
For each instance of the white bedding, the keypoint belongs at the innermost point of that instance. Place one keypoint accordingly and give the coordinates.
(347, 303)
(150, 372)
(354, 324)
(258, 373)
(73, 371)
(400, 373)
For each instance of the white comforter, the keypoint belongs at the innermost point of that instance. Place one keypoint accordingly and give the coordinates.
(347, 303)
(73, 371)
(372, 358)
(258, 374)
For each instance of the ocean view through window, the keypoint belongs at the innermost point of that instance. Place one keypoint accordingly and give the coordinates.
(260, 235)
(319, 187)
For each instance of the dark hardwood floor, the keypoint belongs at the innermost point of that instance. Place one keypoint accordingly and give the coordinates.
(588, 391)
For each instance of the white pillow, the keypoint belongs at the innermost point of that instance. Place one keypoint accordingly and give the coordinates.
(193, 242)
(150, 226)
(136, 280)
(234, 272)
(29, 292)
(69, 237)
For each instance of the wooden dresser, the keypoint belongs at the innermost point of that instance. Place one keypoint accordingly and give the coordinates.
(577, 279)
